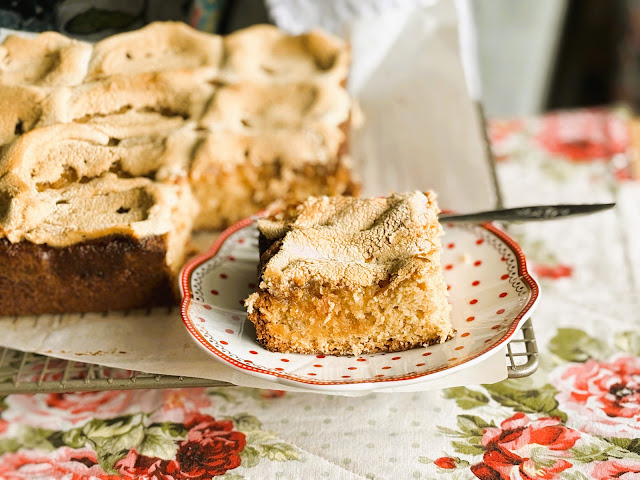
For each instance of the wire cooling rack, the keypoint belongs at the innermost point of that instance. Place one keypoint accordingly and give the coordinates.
(22, 372)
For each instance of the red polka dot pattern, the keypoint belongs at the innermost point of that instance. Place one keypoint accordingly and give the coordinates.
(470, 259)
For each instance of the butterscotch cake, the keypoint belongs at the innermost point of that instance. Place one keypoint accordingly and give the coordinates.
(111, 154)
(347, 276)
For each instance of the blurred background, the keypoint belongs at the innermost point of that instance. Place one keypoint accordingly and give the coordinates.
(531, 56)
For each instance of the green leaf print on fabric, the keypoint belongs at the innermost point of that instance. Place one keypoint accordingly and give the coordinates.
(112, 439)
(466, 398)
(231, 476)
(603, 449)
(573, 475)
(472, 425)
(245, 422)
(27, 438)
(262, 443)
(573, 345)
(160, 442)
(537, 400)
(75, 438)
(631, 445)
(249, 456)
(468, 448)
(471, 429)
(628, 342)
(279, 452)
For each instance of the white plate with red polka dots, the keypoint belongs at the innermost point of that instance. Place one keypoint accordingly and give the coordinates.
(491, 294)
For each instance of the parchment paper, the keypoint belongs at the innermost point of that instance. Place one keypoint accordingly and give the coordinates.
(420, 131)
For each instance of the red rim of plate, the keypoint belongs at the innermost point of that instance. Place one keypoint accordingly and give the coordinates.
(187, 270)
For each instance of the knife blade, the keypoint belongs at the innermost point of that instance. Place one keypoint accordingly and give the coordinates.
(527, 214)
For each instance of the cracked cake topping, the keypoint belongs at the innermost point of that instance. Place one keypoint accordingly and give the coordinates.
(101, 139)
(349, 241)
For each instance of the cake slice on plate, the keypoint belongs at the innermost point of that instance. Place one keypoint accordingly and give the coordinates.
(346, 276)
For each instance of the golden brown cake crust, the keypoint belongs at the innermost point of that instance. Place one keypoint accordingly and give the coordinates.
(47, 60)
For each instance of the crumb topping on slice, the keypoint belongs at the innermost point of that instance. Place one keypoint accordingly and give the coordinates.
(350, 241)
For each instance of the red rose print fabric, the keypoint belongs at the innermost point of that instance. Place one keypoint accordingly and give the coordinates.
(510, 449)
(584, 136)
(576, 418)
(602, 398)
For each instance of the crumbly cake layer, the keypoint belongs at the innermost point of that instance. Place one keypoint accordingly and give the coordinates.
(348, 276)
(256, 169)
(335, 320)
(227, 197)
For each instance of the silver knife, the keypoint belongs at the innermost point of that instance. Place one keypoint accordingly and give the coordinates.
(526, 214)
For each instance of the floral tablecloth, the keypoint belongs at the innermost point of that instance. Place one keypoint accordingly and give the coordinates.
(578, 417)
